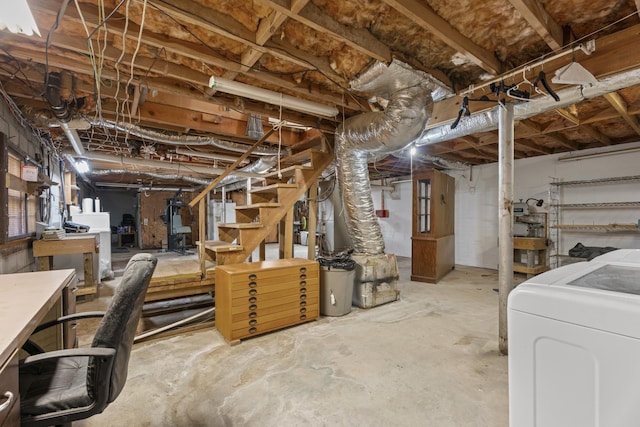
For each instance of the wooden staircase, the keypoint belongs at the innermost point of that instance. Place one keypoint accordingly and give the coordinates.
(269, 205)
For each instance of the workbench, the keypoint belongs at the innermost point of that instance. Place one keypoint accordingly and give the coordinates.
(87, 245)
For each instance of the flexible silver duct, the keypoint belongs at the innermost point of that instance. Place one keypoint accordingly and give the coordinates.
(371, 134)
(185, 178)
(262, 165)
(488, 120)
(182, 139)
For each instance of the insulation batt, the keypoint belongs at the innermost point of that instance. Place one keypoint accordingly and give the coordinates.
(367, 135)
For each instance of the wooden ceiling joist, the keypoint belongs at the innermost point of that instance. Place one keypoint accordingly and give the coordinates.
(535, 14)
(621, 107)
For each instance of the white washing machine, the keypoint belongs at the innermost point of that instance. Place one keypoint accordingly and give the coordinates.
(574, 345)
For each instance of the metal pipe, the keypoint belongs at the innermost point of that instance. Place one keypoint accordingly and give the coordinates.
(163, 138)
(488, 120)
(505, 219)
(172, 166)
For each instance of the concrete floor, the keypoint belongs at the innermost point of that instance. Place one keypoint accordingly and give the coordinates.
(429, 359)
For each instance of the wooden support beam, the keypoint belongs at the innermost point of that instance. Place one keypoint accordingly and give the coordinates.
(202, 238)
(620, 105)
(312, 223)
(533, 12)
(358, 39)
(423, 15)
(596, 134)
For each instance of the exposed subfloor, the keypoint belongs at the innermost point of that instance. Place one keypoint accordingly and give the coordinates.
(429, 359)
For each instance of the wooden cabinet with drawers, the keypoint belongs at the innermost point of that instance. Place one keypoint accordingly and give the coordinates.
(258, 297)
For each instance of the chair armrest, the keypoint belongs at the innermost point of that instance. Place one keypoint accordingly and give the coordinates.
(68, 318)
(108, 353)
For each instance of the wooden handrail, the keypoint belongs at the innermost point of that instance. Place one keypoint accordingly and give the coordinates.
(230, 169)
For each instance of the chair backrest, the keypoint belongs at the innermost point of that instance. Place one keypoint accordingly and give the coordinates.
(118, 327)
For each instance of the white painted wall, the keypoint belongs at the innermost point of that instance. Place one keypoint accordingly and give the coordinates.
(476, 222)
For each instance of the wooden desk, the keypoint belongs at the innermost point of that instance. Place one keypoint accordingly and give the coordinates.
(45, 250)
(26, 300)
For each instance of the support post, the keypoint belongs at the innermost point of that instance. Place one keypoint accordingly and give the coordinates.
(312, 222)
(505, 218)
(201, 236)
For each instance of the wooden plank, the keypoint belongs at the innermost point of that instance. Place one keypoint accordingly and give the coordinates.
(423, 15)
(529, 243)
(533, 12)
(358, 39)
(68, 245)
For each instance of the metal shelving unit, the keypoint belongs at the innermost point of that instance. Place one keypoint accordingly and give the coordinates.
(556, 208)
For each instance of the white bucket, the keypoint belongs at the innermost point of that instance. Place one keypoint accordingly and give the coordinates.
(87, 205)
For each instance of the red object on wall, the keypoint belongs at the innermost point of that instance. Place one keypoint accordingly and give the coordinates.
(382, 213)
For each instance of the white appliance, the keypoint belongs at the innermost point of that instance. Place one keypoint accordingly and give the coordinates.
(98, 222)
(574, 345)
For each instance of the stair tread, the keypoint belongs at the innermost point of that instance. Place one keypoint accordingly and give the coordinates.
(241, 225)
(259, 205)
(221, 246)
(273, 187)
(301, 156)
(288, 171)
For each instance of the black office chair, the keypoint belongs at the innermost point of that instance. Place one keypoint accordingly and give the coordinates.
(67, 385)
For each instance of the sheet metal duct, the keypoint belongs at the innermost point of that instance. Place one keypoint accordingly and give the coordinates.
(190, 179)
(367, 135)
(262, 165)
(162, 138)
(488, 120)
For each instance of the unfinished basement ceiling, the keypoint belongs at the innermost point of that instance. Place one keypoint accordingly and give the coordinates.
(132, 69)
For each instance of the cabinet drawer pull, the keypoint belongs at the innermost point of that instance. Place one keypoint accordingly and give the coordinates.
(253, 307)
(303, 297)
(253, 291)
(303, 290)
(303, 316)
(7, 404)
(303, 310)
(253, 299)
(303, 303)
(303, 276)
(303, 283)
(303, 269)
(252, 284)
(253, 315)
(252, 277)
(253, 322)
(74, 290)
(252, 330)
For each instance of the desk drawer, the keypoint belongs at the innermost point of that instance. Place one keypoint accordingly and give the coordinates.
(9, 393)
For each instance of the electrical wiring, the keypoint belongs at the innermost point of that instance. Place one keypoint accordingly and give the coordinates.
(135, 53)
(117, 64)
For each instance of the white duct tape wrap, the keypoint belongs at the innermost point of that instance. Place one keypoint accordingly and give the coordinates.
(370, 134)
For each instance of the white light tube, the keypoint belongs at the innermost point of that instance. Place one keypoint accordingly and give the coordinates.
(276, 98)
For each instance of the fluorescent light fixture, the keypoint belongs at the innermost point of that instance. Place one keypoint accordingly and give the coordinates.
(82, 166)
(17, 18)
(276, 98)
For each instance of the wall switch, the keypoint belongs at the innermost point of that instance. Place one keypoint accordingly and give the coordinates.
(145, 221)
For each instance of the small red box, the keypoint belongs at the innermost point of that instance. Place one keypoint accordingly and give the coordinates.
(382, 213)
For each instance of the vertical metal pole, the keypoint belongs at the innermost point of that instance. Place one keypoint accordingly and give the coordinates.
(505, 218)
